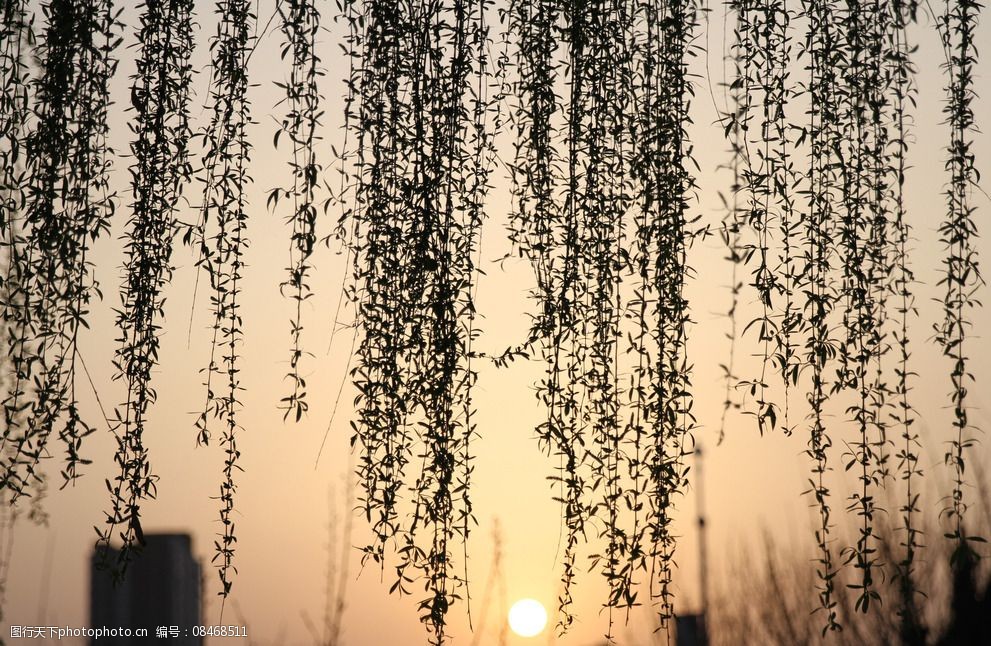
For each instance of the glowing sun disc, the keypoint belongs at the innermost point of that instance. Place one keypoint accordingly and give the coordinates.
(527, 617)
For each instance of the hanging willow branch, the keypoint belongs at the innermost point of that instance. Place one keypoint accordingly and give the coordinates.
(50, 281)
(419, 173)
(666, 232)
(732, 230)
(762, 53)
(539, 225)
(958, 233)
(600, 188)
(160, 101)
(821, 47)
(857, 246)
(224, 211)
(300, 25)
(903, 90)
(15, 37)
(852, 258)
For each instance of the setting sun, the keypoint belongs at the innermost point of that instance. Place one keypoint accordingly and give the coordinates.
(527, 617)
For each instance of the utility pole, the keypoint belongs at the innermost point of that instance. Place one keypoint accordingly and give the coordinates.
(703, 554)
(692, 630)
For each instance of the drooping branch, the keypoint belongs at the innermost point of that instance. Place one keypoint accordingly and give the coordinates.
(50, 281)
(16, 38)
(863, 243)
(224, 213)
(821, 47)
(958, 232)
(15, 108)
(418, 176)
(903, 90)
(667, 156)
(300, 24)
(606, 231)
(160, 92)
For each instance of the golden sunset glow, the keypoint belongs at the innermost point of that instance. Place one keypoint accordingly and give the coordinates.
(527, 617)
(495, 323)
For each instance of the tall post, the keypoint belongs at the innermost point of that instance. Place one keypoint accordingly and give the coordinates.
(703, 556)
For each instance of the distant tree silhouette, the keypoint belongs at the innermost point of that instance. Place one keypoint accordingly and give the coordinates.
(765, 601)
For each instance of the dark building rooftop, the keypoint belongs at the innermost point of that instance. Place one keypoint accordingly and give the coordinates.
(161, 589)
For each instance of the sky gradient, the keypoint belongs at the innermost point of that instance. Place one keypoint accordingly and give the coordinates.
(287, 499)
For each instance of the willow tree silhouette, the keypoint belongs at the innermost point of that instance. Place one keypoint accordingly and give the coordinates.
(597, 94)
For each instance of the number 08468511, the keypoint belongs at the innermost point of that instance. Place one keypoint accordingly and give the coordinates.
(220, 631)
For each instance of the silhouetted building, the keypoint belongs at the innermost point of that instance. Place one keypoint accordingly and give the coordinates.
(160, 590)
(690, 630)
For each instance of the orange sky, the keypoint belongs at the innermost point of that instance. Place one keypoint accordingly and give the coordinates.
(281, 513)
